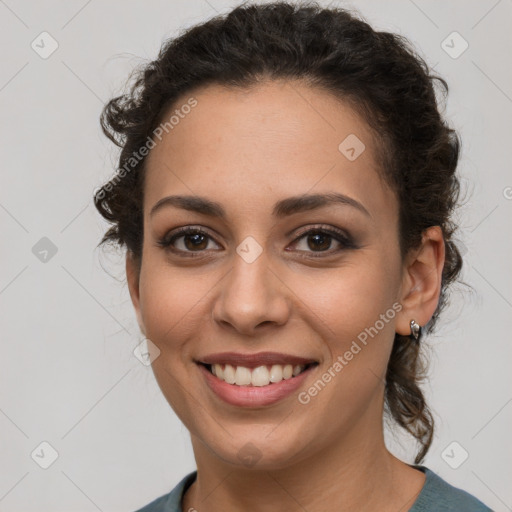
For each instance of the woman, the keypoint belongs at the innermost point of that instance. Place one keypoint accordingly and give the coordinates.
(284, 193)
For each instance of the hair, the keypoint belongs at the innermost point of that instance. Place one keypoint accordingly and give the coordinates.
(378, 73)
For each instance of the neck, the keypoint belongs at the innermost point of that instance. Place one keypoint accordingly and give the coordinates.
(356, 472)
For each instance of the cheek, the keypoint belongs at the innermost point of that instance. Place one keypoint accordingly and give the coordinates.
(349, 299)
(352, 310)
(170, 304)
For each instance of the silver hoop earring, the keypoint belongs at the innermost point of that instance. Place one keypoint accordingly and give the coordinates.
(415, 329)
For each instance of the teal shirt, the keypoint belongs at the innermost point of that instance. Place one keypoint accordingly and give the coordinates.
(437, 495)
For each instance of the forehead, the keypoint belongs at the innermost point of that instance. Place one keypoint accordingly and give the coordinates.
(246, 147)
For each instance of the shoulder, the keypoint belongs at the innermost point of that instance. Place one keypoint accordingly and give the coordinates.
(170, 502)
(438, 495)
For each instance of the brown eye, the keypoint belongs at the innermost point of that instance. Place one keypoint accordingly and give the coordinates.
(187, 240)
(196, 241)
(320, 240)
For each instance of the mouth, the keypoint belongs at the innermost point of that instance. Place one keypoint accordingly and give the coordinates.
(254, 380)
(263, 375)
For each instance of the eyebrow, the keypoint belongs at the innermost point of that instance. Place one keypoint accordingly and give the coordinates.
(282, 208)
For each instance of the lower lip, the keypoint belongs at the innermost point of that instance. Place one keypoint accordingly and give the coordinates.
(254, 396)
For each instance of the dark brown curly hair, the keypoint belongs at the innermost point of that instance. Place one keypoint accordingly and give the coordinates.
(378, 73)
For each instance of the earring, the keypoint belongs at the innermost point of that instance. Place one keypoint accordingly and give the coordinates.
(415, 329)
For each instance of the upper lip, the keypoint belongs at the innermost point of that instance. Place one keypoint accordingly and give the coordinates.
(254, 360)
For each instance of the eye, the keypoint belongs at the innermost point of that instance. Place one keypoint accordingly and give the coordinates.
(319, 240)
(193, 240)
(189, 240)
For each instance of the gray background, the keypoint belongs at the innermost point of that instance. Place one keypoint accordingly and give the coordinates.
(68, 373)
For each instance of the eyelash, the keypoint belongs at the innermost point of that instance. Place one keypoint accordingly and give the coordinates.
(347, 243)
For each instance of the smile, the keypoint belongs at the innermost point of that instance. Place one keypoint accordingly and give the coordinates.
(259, 376)
(254, 380)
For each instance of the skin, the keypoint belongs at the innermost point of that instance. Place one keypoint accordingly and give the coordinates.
(247, 149)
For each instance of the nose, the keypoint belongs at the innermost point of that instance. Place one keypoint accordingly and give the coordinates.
(252, 297)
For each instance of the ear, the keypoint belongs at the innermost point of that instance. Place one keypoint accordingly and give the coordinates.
(421, 281)
(133, 278)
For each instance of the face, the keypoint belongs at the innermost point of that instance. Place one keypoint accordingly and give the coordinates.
(268, 278)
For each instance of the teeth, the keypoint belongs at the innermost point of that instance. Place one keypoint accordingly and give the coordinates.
(276, 373)
(260, 376)
(242, 376)
(229, 374)
(218, 371)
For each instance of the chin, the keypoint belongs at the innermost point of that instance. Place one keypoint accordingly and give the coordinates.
(260, 451)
